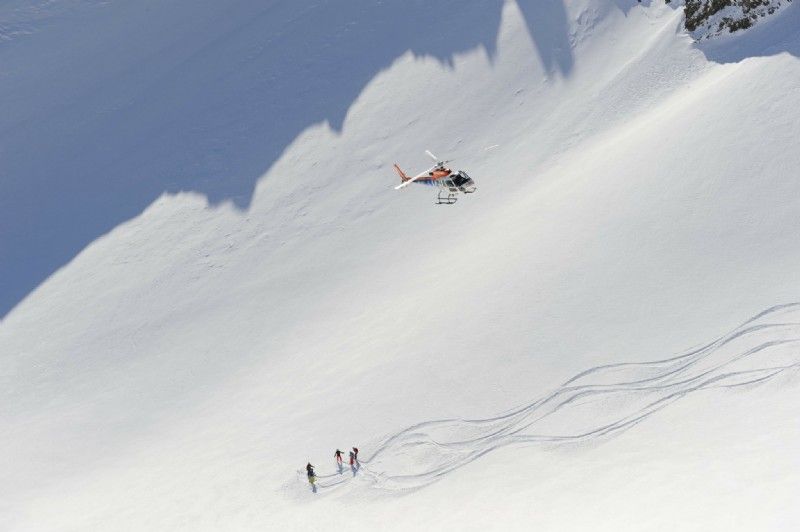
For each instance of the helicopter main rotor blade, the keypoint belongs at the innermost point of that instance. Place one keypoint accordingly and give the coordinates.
(438, 162)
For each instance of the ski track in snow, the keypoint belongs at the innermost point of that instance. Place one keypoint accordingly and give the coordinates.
(598, 402)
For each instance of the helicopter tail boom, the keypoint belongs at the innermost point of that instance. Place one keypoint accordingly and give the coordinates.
(403, 176)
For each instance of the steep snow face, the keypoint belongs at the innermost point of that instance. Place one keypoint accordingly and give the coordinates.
(107, 105)
(580, 343)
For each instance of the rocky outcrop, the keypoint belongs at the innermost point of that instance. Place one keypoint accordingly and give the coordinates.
(708, 18)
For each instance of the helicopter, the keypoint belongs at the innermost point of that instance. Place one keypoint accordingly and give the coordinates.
(450, 183)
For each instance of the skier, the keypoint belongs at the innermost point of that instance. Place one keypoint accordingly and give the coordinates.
(312, 477)
(355, 452)
(338, 455)
(353, 460)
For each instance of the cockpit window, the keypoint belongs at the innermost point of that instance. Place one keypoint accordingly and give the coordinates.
(460, 179)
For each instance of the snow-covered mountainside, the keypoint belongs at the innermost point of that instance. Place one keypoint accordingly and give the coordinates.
(209, 280)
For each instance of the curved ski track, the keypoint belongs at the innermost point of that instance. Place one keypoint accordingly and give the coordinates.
(598, 402)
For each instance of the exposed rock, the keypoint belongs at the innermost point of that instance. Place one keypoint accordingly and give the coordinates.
(708, 18)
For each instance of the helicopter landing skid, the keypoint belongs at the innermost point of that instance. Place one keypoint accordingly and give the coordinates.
(447, 199)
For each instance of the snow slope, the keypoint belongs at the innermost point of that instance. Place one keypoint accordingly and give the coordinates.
(497, 361)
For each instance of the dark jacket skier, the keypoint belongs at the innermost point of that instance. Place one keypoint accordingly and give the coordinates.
(355, 452)
(338, 455)
(310, 472)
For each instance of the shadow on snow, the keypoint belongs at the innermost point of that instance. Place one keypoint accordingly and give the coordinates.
(108, 107)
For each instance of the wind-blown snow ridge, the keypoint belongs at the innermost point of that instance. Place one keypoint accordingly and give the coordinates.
(598, 402)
